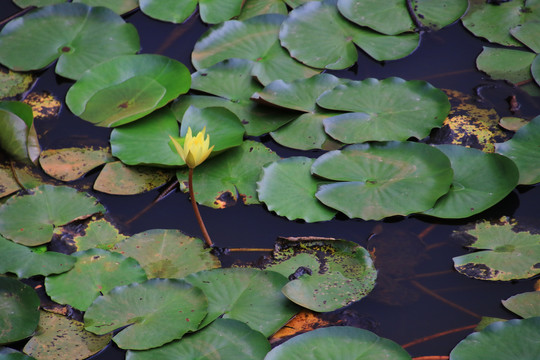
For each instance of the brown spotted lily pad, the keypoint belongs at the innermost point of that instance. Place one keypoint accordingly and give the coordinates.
(72, 163)
(60, 338)
(119, 179)
(504, 253)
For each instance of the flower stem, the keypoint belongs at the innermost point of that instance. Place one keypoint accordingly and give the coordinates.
(209, 242)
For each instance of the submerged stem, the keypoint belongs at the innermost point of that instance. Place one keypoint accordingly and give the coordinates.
(196, 210)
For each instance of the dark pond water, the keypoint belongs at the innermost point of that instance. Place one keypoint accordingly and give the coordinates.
(447, 60)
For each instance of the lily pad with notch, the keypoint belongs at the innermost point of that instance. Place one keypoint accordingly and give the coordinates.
(127, 88)
(504, 253)
(287, 187)
(523, 149)
(222, 339)
(254, 39)
(395, 17)
(317, 35)
(494, 21)
(30, 218)
(384, 110)
(167, 253)
(19, 310)
(79, 36)
(152, 313)
(470, 194)
(377, 180)
(220, 181)
(62, 338)
(336, 343)
(25, 263)
(211, 11)
(306, 131)
(95, 273)
(325, 274)
(248, 295)
(232, 82)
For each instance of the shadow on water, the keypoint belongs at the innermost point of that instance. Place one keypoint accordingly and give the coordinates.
(427, 298)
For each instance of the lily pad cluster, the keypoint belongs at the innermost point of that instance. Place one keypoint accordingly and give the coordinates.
(179, 295)
(515, 25)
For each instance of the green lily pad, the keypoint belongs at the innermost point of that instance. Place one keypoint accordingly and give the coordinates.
(19, 310)
(230, 79)
(174, 11)
(317, 35)
(146, 142)
(112, 105)
(525, 33)
(127, 88)
(506, 64)
(30, 218)
(523, 149)
(377, 180)
(61, 338)
(298, 95)
(70, 164)
(79, 36)
(287, 187)
(535, 69)
(14, 84)
(16, 120)
(222, 126)
(505, 254)
(254, 39)
(336, 343)
(389, 109)
(119, 179)
(248, 295)
(97, 233)
(469, 193)
(222, 339)
(253, 8)
(438, 14)
(156, 312)
(118, 6)
(95, 273)
(167, 253)
(336, 273)
(513, 339)
(494, 21)
(388, 17)
(22, 261)
(306, 131)
(393, 17)
(220, 181)
(10, 354)
(256, 119)
(525, 305)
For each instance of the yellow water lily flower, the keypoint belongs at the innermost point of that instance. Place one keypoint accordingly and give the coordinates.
(196, 149)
